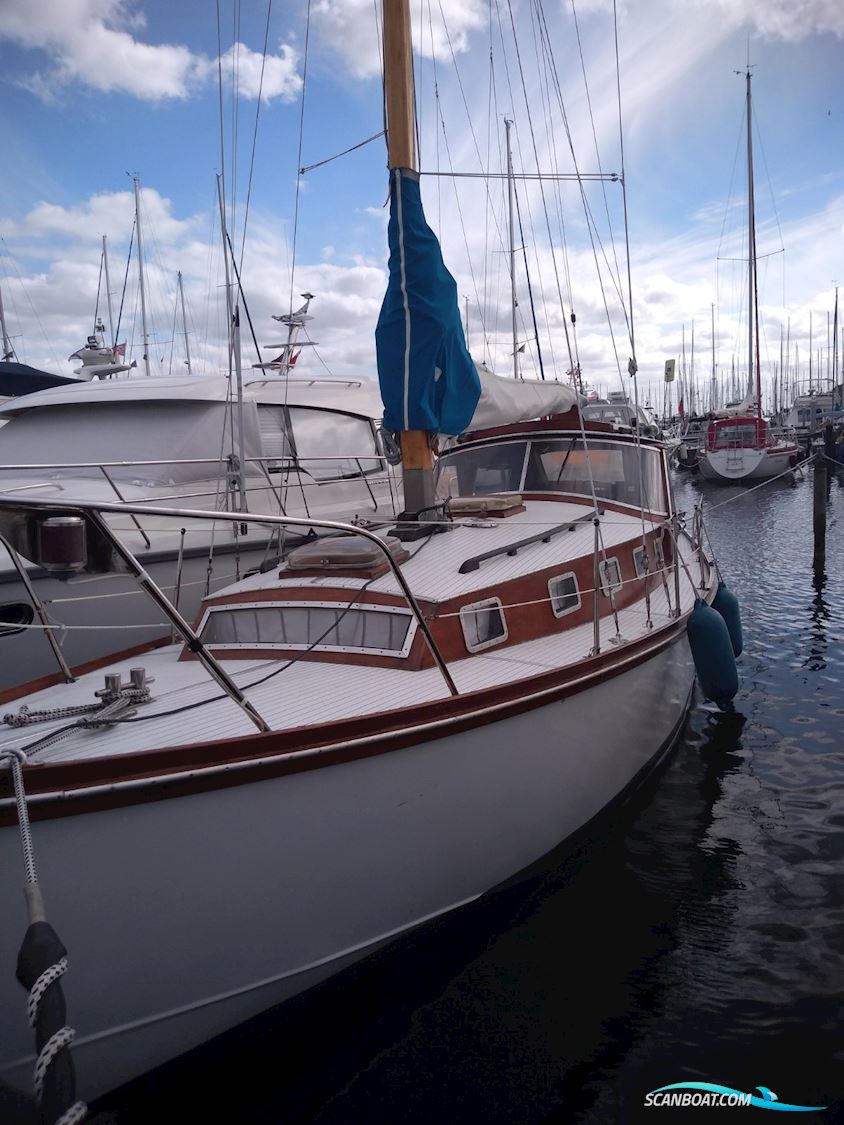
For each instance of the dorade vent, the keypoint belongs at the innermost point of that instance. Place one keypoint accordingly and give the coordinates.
(496, 504)
(344, 554)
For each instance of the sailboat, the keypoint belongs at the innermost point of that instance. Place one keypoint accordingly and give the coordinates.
(383, 726)
(742, 447)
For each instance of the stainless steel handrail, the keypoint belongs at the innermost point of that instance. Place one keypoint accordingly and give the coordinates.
(184, 461)
(242, 517)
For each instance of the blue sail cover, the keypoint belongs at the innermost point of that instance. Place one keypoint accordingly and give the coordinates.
(428, 380)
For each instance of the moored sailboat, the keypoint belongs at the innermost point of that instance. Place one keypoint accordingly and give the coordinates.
(384, 726)
(742, 447)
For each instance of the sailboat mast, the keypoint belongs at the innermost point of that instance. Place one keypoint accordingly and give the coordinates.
(184, 322)
(810, 351)
(713, 405)
(137, 183)
(8, 350)
(108, 293)
(752, 294)
(416, 455)
(508, 124)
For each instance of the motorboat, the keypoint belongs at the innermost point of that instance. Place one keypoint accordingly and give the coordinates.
(308, 446)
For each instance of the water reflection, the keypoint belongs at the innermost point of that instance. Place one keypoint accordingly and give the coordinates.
(820, 617)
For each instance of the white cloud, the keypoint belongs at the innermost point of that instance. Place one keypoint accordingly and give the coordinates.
(92, 43)
(281, 76)
(348, 28)
(791, 20)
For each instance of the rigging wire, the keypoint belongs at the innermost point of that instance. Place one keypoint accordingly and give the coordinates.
(299, 151)
(255, 131)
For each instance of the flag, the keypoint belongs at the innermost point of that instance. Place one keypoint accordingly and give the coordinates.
(119, 350)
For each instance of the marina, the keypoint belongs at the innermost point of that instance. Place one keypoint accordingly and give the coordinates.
(455, 740)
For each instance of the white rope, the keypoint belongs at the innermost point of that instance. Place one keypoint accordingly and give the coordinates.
(57, 1042)
(48, 977)
(77, 1112)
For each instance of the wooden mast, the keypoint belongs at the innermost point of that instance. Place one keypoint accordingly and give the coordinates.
(416, 455)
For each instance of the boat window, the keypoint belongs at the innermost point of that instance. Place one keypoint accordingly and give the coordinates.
(481, 470)
(610, 573)
(312, 626)
(121, 431)
(735, 437)
(14, 617)
(565, 596)
(640, 561)
(330, 445)
(483, 624)
(619, 471)
(275, 438)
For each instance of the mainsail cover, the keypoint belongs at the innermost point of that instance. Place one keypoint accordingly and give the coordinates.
(504, 401)
(428, 380)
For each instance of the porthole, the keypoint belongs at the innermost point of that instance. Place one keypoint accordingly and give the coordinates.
(610, 573)
(483, 624)
(564, 594)
(641, 561)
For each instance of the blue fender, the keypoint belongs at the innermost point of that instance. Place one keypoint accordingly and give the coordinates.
(712, 651)
(726, 603)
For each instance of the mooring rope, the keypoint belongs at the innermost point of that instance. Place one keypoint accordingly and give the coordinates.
(42, 962)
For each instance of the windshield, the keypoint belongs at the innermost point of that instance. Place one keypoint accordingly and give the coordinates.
(618, 471)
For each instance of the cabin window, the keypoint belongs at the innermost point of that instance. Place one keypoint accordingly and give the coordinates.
(310, 626)
(14, 617)
(483, 470)
(659, 554)
(735, 437)
(610, 573)
(275, 439)
(332, 446)
(565, 596)
(483, 624)
(640, 561)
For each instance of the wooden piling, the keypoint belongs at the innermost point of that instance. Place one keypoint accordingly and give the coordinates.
(829, 441)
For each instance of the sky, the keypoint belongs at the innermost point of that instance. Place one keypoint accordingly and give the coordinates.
(97, 91)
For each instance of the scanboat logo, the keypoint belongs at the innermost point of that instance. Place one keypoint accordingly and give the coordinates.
(696, 1095)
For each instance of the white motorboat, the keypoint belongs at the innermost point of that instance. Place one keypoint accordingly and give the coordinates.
(310, 447)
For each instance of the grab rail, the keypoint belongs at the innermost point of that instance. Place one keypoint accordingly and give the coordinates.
(97, 509)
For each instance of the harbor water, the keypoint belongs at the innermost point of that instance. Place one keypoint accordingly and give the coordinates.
(697, 935)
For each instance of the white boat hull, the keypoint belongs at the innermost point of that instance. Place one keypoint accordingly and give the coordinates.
(188, 915)
(746, 464)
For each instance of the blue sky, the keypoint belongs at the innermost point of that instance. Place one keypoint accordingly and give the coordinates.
(93, 89)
